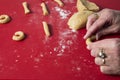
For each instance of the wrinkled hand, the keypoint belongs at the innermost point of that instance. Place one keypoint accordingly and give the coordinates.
(112, 50)
(98, 25)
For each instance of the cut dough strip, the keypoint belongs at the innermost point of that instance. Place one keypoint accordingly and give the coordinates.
(89, 40)
(4, 19)
(25, 6)
(46, 28)
(59, 2)
(44, 9)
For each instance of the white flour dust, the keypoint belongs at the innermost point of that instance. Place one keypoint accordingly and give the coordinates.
(63, 13)
(69, 1)
(66, 40)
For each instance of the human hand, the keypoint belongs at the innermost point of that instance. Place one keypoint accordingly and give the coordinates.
(110, 63)
(96, 24)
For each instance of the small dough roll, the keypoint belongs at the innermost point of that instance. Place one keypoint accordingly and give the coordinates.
(83, 5)
(25, 6)
(44, 8)
(78, 20)
(61, 4)
(18, 36)
(4, 19)
(89, 40)
(46, 28)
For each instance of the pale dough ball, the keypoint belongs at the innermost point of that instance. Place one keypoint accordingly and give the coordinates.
(78, 20)
(89, 40)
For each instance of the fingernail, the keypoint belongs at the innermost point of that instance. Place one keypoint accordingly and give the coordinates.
(88, 47)
(84, 37)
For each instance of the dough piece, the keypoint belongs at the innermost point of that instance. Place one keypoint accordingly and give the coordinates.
(4, 19)
(59, 2)
(89, 40)
(18, 36)
(44, 9)
(86, 5)
(81, 5)
(25, 6)
(78, 20)
(46, 28)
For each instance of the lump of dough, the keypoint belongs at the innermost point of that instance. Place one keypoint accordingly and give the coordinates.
(86, 5)
(89, 40)
(78, 20)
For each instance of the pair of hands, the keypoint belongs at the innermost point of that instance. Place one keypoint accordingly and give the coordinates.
(97, 25)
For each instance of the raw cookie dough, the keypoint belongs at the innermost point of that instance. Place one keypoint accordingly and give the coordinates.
(46, 28)
(78, 20)
(85, 8)
(86, 5)
(25, 6)
(4, 19)
(44, 9)
(18, 36)
(89, 40)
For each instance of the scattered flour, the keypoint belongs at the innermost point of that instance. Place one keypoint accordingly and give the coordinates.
(36, 66)
(37, 59)
(16, 60)
(70, 1)
(41, 55)
(63, 13)
(66, 40)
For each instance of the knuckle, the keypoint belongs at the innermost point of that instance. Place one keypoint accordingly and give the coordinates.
(90, 30)
(116, 30)
(90, 17)
(116, 42)
(107, 11)
(115, 45)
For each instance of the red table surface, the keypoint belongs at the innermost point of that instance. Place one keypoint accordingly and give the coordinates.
(63, 56)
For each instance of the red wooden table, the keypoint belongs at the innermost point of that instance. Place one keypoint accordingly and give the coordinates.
(63, 56)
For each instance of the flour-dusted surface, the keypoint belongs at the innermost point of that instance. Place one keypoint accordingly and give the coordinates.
(63, 56)
(62, 13)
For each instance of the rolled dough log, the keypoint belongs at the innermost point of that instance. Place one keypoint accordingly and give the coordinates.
(78, 20)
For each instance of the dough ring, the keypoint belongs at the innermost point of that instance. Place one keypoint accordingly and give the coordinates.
(18, 36)
(4, 19)
(90, 40)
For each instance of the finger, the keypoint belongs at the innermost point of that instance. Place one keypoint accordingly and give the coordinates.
(105, 69)
(109, 30)
(94, 52)
(101, 62)
(100, 44)
(91, 19)
(95, 27)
